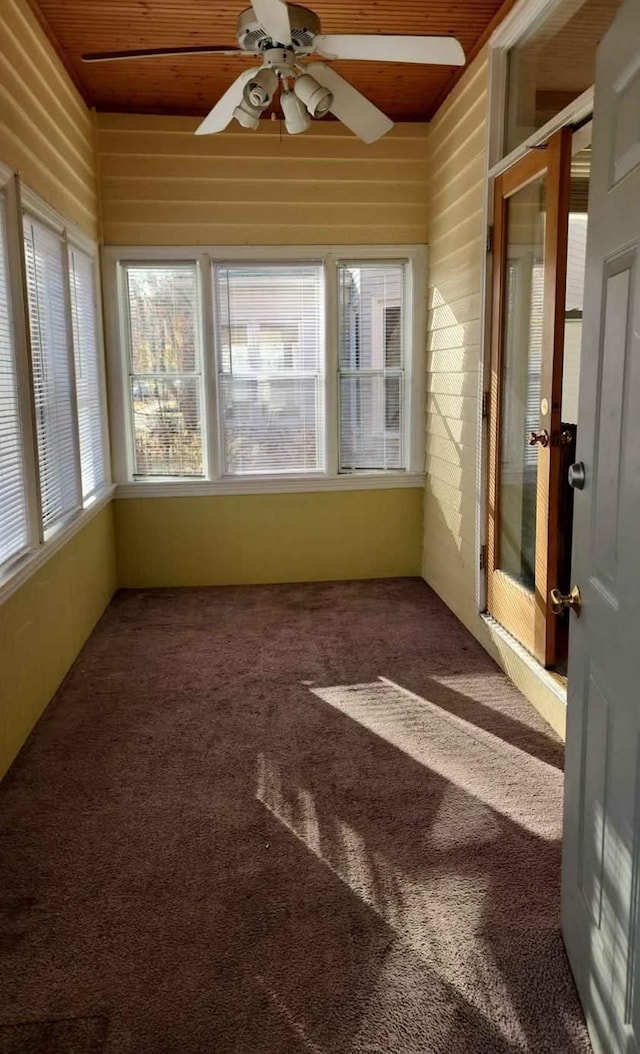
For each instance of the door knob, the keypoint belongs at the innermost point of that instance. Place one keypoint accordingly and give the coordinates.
(577, 475)
(539, 437)
(566, 602)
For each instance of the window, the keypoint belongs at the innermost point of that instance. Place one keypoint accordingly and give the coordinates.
(269, 340)
(13, 508)
(91, 424)
(266, 368)
(53, 373)
(53, 433)
(553, 63)
(165, 380)
(371, 357)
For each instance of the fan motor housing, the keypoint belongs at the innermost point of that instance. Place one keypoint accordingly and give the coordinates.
(305, 26)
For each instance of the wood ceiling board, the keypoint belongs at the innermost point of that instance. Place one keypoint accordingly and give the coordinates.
(192, 85)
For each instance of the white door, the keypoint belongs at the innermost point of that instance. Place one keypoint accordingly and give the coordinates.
(601, 874)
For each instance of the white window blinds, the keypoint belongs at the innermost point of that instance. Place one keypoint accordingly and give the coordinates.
(165, 369)
(269, 337)
(13, 510)
(87, 353)
(53, 373)
(371, 326)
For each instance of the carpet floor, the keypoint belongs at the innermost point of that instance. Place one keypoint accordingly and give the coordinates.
(305, 819)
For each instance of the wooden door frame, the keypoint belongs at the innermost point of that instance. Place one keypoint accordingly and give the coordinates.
(527, 614)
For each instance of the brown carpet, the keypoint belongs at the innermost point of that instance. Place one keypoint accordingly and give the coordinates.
(278, 819)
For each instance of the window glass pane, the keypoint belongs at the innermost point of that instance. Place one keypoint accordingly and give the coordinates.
(87, 355)
(165, 371)
(269, 325)
(167, 426)
(576, 266)
(553, 64)
(13, 512)
(371, 299)
(52, 372)
(522, 360)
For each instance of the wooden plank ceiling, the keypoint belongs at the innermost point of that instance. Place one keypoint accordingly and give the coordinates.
(191, 85)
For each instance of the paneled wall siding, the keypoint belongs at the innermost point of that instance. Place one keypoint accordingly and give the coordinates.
(162, 185)
(456, 195)
(46, 130)
(456, 256)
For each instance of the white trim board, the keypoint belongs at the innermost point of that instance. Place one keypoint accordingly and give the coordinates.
(270, 485)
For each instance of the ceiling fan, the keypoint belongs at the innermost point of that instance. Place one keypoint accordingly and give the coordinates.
(281, 34)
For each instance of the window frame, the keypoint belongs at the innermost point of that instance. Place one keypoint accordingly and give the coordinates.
(511, 31)
(32, 204)
(198, 374)
(115, 260)
(53, 227)
(21, 200)
(322, 419)
(75, 240)
(11, 191)
(403, 372)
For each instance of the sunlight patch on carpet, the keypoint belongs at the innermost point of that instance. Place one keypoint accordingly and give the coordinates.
(486, 767)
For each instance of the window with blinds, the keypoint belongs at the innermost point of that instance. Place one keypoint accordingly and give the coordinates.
(88, 363)
(53, 373)
(270, 350)
(371, 324)
(165, 371)
(13, 510)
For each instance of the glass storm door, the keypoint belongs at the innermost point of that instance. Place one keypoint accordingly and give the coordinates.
(530, 238)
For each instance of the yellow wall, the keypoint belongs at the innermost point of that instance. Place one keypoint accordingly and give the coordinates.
(456, 258)
(162, 185)
(46, 133)
(268, 538)
(45, 623)
(457, 166)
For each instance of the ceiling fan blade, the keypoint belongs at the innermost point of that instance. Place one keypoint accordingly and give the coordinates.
(274, 18)
(152, 53)
(222, 113)
(442, 51)
(350, 106)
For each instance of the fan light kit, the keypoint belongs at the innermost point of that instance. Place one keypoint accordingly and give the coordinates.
(282, 34)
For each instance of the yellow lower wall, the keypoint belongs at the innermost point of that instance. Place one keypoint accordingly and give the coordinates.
(45, 623)
(241, 539)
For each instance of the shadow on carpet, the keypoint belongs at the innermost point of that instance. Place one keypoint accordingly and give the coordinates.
(278, 819)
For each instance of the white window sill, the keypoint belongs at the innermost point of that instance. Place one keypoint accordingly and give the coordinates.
(171, 488)
(22, 569)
